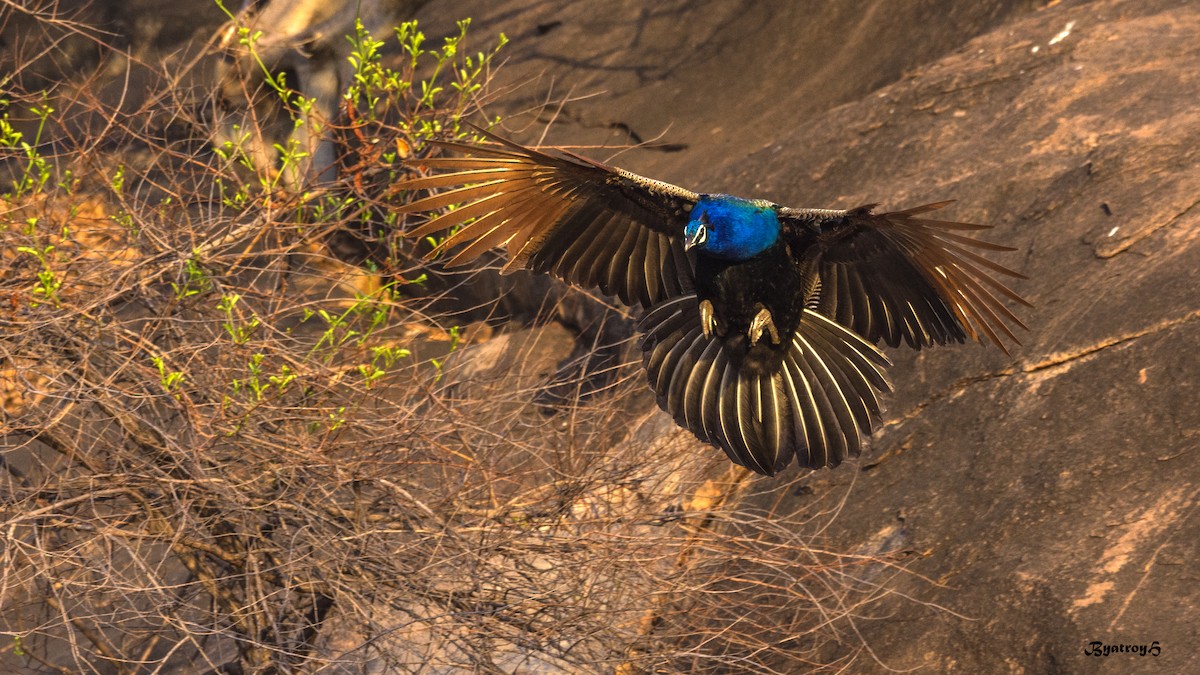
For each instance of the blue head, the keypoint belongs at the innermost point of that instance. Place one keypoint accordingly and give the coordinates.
(730, 227)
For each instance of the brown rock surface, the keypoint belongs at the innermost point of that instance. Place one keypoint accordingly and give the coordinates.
(1048, 497)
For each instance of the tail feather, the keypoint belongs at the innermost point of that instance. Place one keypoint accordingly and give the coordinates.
(815, 405)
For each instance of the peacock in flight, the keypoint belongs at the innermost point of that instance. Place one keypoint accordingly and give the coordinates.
(760, 321)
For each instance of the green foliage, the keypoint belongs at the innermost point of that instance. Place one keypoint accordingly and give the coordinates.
(196, 279)
(276, 81)
(171, 380)
(37, 171)
(382, 358)
(239, 330)
(427, 107)
(48, 281)
(371, 310)
(299, 107)
(118, 180)
(235, 194)
(260, 382)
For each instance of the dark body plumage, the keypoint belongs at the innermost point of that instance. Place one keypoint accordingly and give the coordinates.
(738, 290)
(761, 320)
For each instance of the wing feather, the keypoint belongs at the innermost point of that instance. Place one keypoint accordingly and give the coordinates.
(557, 212)
(896, 277)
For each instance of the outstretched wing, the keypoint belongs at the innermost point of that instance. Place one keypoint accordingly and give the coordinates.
(896, 276)
(815, 403)
(558, 213)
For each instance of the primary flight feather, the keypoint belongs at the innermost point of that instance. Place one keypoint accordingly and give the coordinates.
(760, 320)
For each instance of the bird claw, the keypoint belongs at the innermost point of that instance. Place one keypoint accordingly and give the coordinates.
(708, 321)
(763, 321)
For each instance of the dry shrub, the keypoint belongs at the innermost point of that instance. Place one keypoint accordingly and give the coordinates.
(228, 447)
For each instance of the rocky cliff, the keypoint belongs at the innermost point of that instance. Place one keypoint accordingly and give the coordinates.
(1045, 500)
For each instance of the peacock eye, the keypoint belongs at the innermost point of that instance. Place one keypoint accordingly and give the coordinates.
(704, 218)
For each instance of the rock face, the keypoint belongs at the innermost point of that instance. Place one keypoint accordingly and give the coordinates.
(1046, 499)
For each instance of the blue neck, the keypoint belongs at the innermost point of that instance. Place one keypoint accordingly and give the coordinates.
(737, 229)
